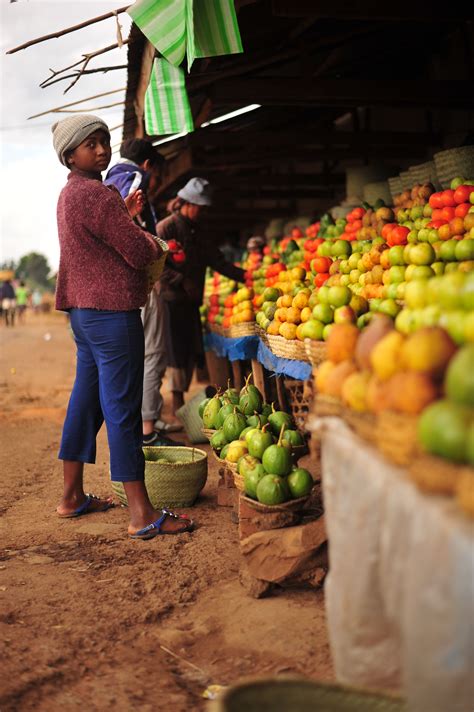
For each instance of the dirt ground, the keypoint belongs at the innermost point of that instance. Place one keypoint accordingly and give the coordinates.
(90, 619)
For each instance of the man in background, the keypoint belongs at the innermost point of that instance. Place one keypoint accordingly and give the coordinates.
(139, 166)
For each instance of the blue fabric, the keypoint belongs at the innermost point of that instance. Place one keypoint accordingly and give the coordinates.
(124, 174)
(240, 349)
(108, 386)
(300, 370)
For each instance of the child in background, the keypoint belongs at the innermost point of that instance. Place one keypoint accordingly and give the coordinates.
(102, 283)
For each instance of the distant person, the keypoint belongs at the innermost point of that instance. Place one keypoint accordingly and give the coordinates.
(139, 164)
(36, 300)
(182, 282)
(21, 295)
(102, 283)
(7, 296)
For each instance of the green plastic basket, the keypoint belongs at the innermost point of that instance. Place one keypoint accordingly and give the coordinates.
(174, 476)
(188, 414)
(298, 695)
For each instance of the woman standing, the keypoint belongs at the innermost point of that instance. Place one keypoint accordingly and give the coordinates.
(182, 281)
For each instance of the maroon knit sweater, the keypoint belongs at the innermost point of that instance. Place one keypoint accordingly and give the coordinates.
(103, 252)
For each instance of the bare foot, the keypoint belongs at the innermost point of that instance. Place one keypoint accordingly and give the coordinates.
(72, 508)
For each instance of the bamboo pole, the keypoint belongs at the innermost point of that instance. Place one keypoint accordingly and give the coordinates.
(67, 30)
(73, 103)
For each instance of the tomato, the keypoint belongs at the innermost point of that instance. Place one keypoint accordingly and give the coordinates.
(214, 299)
(321, 264)
(350, 217)
(398, 236)
(462, 193)
(356, 225)
(267, 249)
(295, 233)
(461, 210)
(435, 200)
(437, 214)
(358, 213)
(447, 214)
(437, 223)
(321, 278)
(387, 229)
(447, 198)
(457, 227)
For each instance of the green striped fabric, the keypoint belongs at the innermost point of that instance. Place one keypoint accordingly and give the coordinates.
(163, 22)
(200, 28)
(167, 109)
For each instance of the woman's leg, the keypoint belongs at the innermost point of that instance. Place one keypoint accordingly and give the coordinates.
(83, 421)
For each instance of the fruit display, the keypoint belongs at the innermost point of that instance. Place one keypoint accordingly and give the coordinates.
(259, 441)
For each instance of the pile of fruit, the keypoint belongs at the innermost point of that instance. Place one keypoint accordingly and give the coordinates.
(259, 441)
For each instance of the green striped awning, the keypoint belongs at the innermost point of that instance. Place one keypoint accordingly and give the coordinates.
(167, 109)
(200, 28)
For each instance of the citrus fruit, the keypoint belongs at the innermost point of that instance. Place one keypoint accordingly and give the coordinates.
(300, 482)
(272, 489)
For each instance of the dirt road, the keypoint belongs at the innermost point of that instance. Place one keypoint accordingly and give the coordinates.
(91, 620)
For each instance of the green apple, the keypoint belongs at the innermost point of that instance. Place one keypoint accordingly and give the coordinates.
(413, 236)
(359, 305)
(313, 329)
(345, 280)
(456, 182)
(433, 236)
(427, 211)
(401, 288)
(327, 330)
(389, 307)
(367, 246)
(323, 293)
(450, 290)
(344, 267)
(451, 267)
(416, 212)
(467, 291)
(438, 267)
(431, 315)
(361, 266)
(422, 254)
(403, 321)
(364, 319)
(454, 323)
(341, 248)
(339, 296)
(353, 260)
(374, 304)
(391, 291)
(464, 250)
(396, 274)
(416, 295)
(447, 251)
(344, 315)
(423, 234)
(323, 313)
(409, 272)
(422, 272)
(354, 276)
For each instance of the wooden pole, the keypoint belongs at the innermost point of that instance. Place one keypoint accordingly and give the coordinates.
(73, 28)
(73, 103)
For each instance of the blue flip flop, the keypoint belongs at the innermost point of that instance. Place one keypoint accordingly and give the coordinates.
(154, 529)
(84, 508)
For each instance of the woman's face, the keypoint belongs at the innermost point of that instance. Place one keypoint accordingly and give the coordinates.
(93, 154)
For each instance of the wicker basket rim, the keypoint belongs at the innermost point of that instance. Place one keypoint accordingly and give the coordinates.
(201, 455)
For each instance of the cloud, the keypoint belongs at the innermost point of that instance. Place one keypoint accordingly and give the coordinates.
(31, 176)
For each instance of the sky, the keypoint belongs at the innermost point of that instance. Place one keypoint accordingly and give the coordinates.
(31, 176)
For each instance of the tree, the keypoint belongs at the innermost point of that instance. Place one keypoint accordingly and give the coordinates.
(35, 268)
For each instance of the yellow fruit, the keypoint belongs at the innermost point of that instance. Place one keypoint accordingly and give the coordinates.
(300, 301)
(342, 342)
(280, 314)
(279, 301)
(354, 391)
(293, 315)
(284, 276)
(298, 274)
(299, 333)
(428, 350)
(385, 356)
(274, 327)
(411, 392)
(288, 331)
(286, 300)
(246, 315)
(337, 376)
(322, 373)
(306, 314)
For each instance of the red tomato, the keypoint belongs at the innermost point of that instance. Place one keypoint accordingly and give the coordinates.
(295, 233)
(447, 214)
(321, 264)
(435, 200)
(398, 236)
(387, 229)
(461, 210)
(462, 193)
(437, 214)
(350, 217)
(356, 225)
(447, 198)
(437, 223)
(321, 278)
(267, 249)
(358, 213)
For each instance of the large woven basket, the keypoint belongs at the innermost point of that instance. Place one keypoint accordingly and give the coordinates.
(293, 505)
(285, 348)
(364, 424)
(262, 334)
(316, 351)
(424, 173)
(435, 475)
(216, 329)
(174, 476)
(325, 406)
(454, 162)
(238, 330)
(300, 695)
(155, 269)
(208, 433)
(395, 185)
(396, 437)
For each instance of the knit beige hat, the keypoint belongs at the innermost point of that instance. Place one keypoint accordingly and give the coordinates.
(70, 132)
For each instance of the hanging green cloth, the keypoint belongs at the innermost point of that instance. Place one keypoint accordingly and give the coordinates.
(198, 28)
(167, 109)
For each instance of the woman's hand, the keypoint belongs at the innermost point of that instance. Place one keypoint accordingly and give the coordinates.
(135, 203)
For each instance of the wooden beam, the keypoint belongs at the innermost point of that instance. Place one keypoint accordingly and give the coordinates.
(259, 193)
(175, 169)
(297, 91)
(419, 10)
(285, 180)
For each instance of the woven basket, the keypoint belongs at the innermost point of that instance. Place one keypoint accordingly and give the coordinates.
(238, 330)
(454, 162)
(396, 437)
(364, 424)
(216, 329)
(295, 694)
(284, 348)
(155, 269)
(435, 475)
(299, 397)
(188, 414)
(208, 433)
(239, 482)
(262, 334)
(395, 185)
(173, 480)
(424, 173)
(407, 180)
(293, 505)
(465, 491)
(325, 406)
(316, 351)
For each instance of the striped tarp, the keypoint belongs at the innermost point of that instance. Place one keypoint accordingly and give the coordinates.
(200, 28)
(167, 109)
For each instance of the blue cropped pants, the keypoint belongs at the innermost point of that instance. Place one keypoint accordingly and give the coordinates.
(108, 386)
